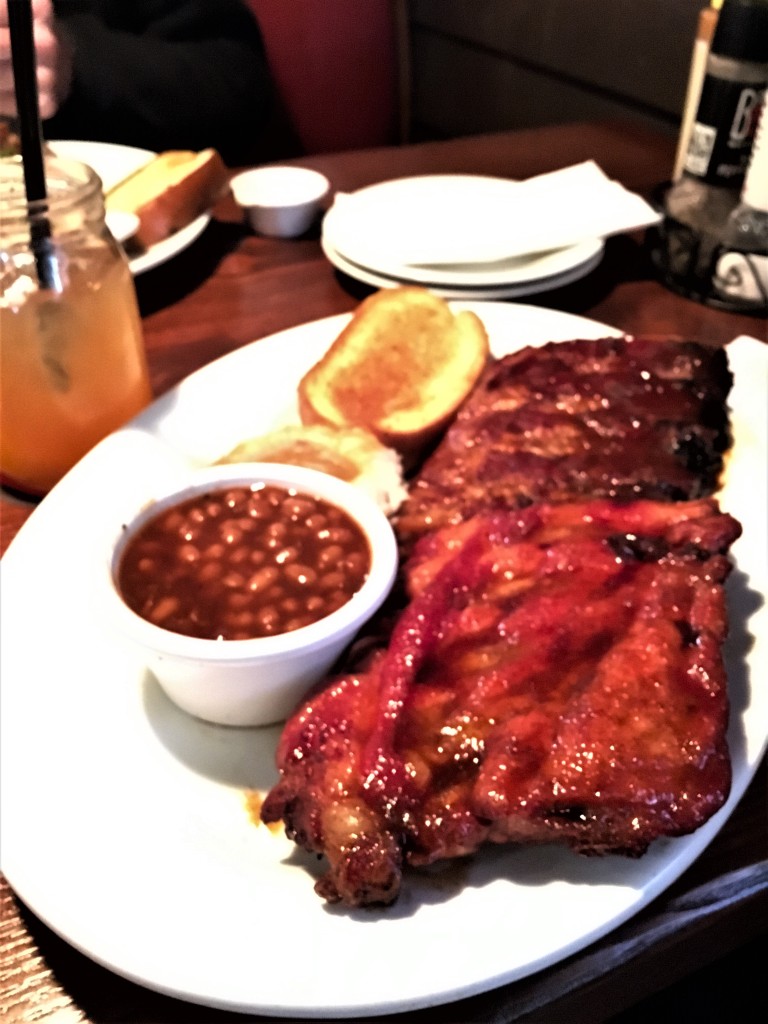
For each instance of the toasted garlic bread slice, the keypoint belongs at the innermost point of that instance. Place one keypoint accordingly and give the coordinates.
(400, 368)
(171, 190)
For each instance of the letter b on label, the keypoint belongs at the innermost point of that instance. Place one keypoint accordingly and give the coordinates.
(745, 116)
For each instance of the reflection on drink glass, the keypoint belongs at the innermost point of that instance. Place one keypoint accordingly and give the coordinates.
(72, 360)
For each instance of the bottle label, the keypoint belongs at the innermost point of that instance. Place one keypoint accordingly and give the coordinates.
(721, 137)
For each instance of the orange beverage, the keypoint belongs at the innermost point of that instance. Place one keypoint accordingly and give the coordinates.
(72, 361)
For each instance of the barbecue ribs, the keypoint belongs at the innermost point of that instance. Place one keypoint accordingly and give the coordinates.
(556, 676)
(554, 671)
(642, 418)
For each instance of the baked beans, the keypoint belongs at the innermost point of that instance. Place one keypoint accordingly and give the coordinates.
(243, 562)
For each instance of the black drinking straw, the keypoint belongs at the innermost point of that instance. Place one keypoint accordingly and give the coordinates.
(31, 135)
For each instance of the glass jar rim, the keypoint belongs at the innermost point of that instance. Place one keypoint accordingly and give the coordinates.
(69, 183)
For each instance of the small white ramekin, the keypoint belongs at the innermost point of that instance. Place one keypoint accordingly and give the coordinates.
(281, 202)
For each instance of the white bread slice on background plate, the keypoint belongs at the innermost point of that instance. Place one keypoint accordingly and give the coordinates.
(401, 368)
(170, 191)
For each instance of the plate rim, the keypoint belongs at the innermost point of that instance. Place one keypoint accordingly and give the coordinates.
(477, 293)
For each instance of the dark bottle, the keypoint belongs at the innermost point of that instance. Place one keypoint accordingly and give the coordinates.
(697, 207)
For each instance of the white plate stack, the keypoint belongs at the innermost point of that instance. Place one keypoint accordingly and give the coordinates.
(468, 236)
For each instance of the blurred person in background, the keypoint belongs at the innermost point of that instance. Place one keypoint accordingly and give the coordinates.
(159, 74)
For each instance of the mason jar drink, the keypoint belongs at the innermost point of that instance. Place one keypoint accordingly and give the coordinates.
(72, 359)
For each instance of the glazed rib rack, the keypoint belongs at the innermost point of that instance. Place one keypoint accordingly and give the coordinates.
(555, 672)
(582, 419)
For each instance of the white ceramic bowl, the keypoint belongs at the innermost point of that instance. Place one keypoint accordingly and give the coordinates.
(281, 202)
(253, 681)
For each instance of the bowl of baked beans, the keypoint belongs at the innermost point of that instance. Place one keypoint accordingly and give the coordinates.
(244, 585)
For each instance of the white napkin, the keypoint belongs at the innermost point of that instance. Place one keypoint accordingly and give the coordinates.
(487, 220)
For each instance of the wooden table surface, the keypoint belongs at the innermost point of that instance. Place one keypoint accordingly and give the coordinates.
(231, 287)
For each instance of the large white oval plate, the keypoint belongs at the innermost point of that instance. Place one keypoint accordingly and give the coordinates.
(125, 825)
